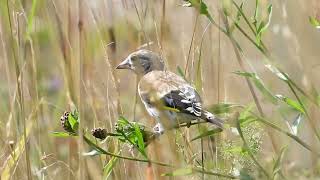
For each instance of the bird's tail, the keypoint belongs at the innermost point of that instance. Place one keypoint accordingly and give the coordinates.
(208, 116)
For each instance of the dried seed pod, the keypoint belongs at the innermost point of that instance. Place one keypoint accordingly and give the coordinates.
(99, 133)
(65, 122)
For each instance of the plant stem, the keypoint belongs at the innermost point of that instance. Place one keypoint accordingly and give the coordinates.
(238, 52)
(151, 161)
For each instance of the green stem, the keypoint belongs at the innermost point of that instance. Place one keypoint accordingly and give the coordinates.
(122, 157)
(90, 143)
(214, 173)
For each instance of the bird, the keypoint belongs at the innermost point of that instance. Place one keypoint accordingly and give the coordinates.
(167, 97)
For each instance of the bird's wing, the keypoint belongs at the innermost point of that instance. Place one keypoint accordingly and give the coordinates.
(183, 101)
(170, 91)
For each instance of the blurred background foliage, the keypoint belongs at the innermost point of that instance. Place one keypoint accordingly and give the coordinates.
(59, 55)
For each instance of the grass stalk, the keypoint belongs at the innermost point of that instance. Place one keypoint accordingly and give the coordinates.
(82, 74)
(150, 161)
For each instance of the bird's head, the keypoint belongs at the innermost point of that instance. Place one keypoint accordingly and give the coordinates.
(142, 61)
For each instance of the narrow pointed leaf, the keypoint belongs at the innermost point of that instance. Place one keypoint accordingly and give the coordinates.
(61, 134)
(107, 169)
(73, 122)
(140, 140)
(265, 24)
(291, 103)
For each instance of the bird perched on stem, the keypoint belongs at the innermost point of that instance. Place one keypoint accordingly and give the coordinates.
(167, 97)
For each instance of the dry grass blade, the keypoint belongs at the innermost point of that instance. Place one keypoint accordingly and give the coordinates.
(12, 160)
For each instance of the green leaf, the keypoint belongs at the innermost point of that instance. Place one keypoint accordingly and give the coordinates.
(207, 133)
(179, 172)
(73, 122)
(291, 103)
(259, 84)
(93, 152)
(285, 77)
(201, 7)
(264, 25)
(314, 22)
(93, 145)
(107, 169)
(75, 114)
(296, 123)
(123, 121)
(140, 140)
(62, 134)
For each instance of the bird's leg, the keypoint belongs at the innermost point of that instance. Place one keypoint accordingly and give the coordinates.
(158, 129)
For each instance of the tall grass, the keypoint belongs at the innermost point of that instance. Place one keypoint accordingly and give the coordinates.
(255, 64)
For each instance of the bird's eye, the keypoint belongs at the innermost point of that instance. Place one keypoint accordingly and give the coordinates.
(133, 58)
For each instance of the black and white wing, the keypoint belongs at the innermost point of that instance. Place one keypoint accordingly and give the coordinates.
(184, 99)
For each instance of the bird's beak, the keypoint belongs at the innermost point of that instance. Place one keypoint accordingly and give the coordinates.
(124, 64)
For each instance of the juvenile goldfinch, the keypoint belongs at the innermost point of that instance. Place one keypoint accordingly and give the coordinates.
(166, 96)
